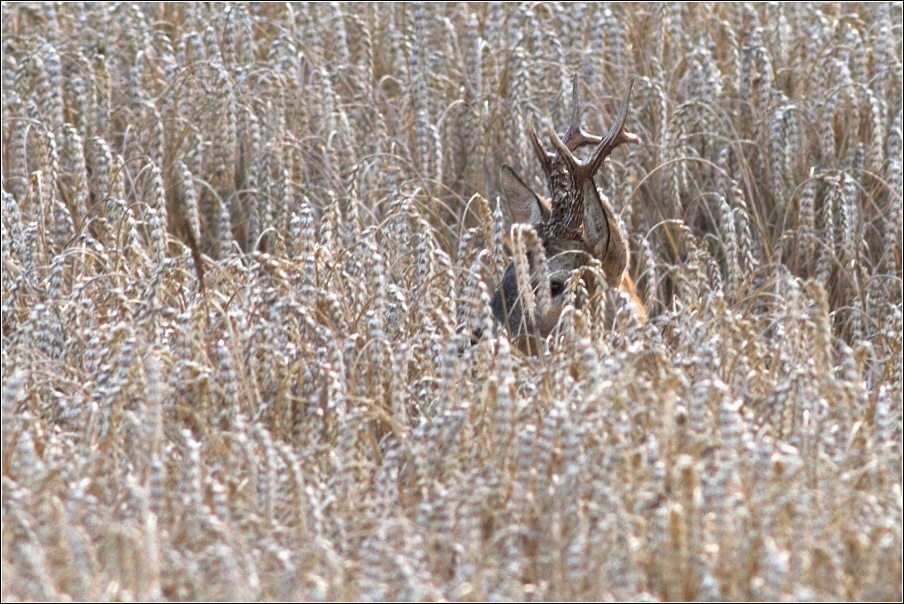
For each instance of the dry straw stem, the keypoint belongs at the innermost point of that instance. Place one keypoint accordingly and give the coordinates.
(334, 415)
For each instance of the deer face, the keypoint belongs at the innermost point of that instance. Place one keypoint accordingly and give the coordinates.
(574, 226)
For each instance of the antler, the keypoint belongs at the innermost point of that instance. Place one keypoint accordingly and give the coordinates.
(567, 175)
(575, 136)
(616, 136)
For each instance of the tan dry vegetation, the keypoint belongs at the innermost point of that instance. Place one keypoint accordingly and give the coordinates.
(317, 424)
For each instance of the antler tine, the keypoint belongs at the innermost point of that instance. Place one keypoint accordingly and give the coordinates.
(565, 153)
(616, 136)
(544, 157)
(574, 125)
(575, 136)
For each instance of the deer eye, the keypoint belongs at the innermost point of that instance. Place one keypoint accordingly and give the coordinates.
(556, 288)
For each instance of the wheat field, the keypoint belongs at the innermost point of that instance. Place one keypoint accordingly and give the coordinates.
(248, 353)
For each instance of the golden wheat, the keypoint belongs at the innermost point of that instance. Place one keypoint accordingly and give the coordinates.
(332, 415)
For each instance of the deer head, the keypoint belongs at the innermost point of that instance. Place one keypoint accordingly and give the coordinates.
(574, 225)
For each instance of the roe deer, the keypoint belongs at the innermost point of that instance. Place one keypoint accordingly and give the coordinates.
(575, 225)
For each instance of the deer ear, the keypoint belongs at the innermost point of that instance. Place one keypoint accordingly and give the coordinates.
(523, 204)
(602, 235)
